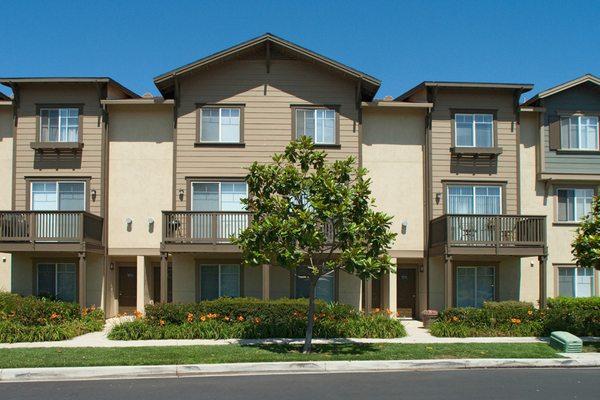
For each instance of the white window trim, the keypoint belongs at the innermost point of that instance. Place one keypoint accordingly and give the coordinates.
(474, 130)
(57, 183)
(55, 264)
(239, 288)
(575, 268)
(475, 267)
(314, 110)
(579, 133)
(59, 124)
(220, 192)
(473, 187)
(202, 140)
(574, 189)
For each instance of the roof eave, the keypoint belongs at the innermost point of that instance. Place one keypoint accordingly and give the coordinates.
(9, 81)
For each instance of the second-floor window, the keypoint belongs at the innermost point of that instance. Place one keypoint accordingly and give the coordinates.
(468, 199)
(579, 132)
(316, 123)
(220, 125)
(57, 196)
(474, 130)
(574, 204)
(59, 125)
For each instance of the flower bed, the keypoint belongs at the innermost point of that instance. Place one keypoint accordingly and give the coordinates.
(579, 316)
(31, 319)
(249, 318)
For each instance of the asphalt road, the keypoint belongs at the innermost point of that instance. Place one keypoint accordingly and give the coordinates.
(530, 384)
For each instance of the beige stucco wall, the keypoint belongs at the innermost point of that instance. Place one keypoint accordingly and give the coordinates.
(436, 283)
(279, 282)
(140, 176)
(6, 166)
(184, 278)
(392, 151)
(349, 289)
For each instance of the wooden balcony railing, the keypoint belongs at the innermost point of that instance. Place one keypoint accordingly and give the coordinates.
(499, 231)
(50, 226)
(209, 227)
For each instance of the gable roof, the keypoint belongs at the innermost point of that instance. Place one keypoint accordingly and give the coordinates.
(165, 82)
(524, 87)
(9, 81)
(563, 86)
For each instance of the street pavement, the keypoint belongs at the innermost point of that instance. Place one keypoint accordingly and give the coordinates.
(531, 384)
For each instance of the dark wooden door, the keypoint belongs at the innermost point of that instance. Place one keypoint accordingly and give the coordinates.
(127, 286)
(407, 292)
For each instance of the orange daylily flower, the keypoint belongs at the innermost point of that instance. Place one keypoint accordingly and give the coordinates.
(190, 317)
(240, 318)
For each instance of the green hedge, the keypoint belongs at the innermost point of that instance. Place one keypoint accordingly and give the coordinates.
(32, 319)
(579, 316)
(249, 318)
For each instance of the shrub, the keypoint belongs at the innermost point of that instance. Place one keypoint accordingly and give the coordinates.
(31, 319)
(579, 316)
(249, 318)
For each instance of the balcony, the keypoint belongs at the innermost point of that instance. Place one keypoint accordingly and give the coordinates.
(202, 231)
(66, 231)
(516, 235)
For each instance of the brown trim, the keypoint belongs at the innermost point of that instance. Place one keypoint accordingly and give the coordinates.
(556, 266)
(14, 155)
(577, 112)
(457, 263)
(448, 182)
(29, 180)
(198, 113)
(566, 186)
(493, 111)
(39, 106)
(56, 145)
(334, 107)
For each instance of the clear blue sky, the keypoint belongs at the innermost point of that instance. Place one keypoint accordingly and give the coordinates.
(401, 43)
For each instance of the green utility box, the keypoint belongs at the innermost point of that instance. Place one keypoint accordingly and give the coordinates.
(565, 342)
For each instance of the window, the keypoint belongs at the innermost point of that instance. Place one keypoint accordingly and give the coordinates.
(579, 132)
(467, 199)
(574, 204)
(575, 282)
(325, 286)
(57, 281)
(220, 280)
(316, 123)
(220, 125)
(474, 285)
(474, 130)
(57, 196)
(59, 124)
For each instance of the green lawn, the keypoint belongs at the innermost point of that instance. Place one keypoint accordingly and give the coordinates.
(591, 347)
(77, 357)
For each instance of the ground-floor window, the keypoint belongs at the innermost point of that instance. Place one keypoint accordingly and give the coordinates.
(575, 281)
(474, 285)
(219, 280)
(325, 286)
(57, 281)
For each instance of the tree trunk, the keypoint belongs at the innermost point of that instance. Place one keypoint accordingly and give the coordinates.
(310, 323)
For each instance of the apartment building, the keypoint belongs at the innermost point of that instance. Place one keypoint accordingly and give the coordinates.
(119, 200)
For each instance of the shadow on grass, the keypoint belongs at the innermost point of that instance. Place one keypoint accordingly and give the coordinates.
(592, 347)
(326, 349)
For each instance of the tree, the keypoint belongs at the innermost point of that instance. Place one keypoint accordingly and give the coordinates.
(586, 246)
(311, 213)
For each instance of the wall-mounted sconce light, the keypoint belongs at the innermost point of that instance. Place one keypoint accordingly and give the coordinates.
(3, 259)
(93, 194)
(181, 194)
(421, 269)
(531, 264)
(128, 223)
(404, 226)
(112, 266)
(438, 197)
(150, 224)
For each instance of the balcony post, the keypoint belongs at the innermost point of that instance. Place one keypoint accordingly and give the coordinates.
(448, 284)
(543, 279)
(266, 281)
(82, 281)
(164, 268)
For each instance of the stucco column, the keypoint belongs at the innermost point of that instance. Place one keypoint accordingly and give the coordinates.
(82, 281)
(543, 280)
(368, 295)
(266, 281)
(391, 291)
(141, 283)
(164, 277)
(448, 283)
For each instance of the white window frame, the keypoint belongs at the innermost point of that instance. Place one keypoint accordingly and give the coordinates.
(575, 268)
(57, 184)
(314, 110)
(579, 132)
(239, 289)
(239, 109)
(474, 129)
(475, 267)
(577, 218)
(220, 192)
(473, 188)
(60, 120)
(55, 264)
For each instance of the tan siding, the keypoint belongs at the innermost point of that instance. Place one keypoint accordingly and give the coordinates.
(6, 157)
(87, 163)
(267, 113)
(441, 136)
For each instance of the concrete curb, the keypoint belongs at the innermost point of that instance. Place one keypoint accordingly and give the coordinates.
(177, 371)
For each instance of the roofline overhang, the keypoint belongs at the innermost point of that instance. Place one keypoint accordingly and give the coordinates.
(165, 80)
(10, 81)
(523, 87)
(387, 104)
(138, 101)
(563, 86)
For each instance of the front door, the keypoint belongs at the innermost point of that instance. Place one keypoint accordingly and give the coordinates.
(127, 286)
(407, 292)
